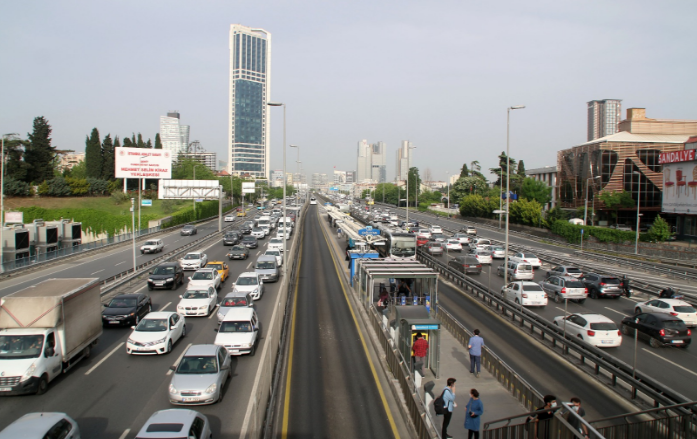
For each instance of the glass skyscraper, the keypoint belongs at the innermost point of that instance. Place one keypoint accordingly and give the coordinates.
(604, 117)
(250, 79)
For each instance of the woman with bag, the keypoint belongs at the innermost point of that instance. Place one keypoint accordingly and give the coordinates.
(473, 412)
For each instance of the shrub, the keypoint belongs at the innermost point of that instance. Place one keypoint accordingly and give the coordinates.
(58, 187)
(17, 188)
(98, 186)
(118, 197)
(78, 186)
(572, 233)
(660, 230)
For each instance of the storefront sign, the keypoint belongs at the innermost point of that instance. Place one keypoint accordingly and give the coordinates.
(680, 187)
(687, 155)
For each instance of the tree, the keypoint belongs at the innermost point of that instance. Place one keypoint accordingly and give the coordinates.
(39, 154)
(555, 214)
(158, 141)
(521, 169)
(476, 206)
(616, 200)
(127, 143)
(532, 189)
(148, 144)
(503, 169)
(15, 166)
(93, 154)
(414, 182)
(140, 142)
(184, 170)
(526, 212)
(464, 172)
(107, 159)
(78, 171)
(660, 230)
(466, 186)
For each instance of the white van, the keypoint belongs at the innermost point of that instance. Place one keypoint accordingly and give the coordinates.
(239, 331)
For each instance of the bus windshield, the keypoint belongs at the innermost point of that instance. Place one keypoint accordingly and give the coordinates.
(403, 246)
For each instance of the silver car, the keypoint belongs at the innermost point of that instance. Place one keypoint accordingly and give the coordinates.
(200, 375)
(42, 425)
(562, 288)
(176, 423)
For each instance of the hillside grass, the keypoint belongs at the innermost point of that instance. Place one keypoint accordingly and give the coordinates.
(103, 204)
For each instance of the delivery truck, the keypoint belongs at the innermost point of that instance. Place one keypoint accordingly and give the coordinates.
(45, 330)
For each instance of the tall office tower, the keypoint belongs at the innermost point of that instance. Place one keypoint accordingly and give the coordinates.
(250, 90)
(603, 118)
(276, 179)
(339, 177)
(351, 176)
(379, 162)
(323, 179)
(403, 160)
(173, 135)
(363, 167)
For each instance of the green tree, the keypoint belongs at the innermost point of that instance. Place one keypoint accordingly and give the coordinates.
(616, 200)
(521, 169)
(93, 154)
(140, 142)
(39, 154)
(464, 172)
(466, 186)
(127, 143)
(476, 206)
(78, 171)
(107, 159)
(414, 182)
(660, 230)
(526, 212)
(532, 189)
(184, 170)
(158, 141)
(503, 169)
(15, 166)
(148, 144)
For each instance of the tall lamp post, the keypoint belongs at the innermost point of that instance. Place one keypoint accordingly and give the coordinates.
(638, 215)
(280, 104)
(500, 194)
(508, 185)
(585, 206)
(407, 181)
(447, 176)
(2, 198)
(297, 187)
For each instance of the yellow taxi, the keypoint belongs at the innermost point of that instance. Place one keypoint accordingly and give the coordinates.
(241, 213)
(222, 268)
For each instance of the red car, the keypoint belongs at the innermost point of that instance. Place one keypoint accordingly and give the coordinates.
(421, 240)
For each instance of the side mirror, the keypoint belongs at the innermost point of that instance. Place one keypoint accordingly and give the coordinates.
(173, 367)
(133, 327)
(180, 296)
(149, 272)
(106, 305)
(215, 330)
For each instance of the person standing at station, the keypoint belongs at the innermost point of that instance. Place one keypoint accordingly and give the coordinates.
(574, 421)
(473, 413)
(420, 350)
(450, 404)
(475, 350)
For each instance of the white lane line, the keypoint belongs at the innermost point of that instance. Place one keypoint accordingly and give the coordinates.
(671, 362)
(258, 252)
(98, 271)
(169, 372)
(120, 263)
(163, 308)
(119, 346)
(249, 265)
(125, 433)
(560, 309)
(615, 311)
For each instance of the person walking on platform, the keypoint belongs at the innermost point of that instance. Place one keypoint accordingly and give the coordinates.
(420, 350)
(450, 404)
(475, 350)
(473, 413)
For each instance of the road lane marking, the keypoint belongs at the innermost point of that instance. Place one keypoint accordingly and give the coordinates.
(618, 312)
(105, 358)
(671, 362)
(249, 265)
(125, 433)
(98, 271)
(163, 308)
(169, 372)
(120, 263)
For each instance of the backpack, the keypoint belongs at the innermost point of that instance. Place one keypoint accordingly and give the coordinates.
(439, 404)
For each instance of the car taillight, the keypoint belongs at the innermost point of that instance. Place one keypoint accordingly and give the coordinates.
(467, 266)
(525, 296)
(563, 290)
(515, 271)
(674, 314)
(689, 332)
(585, 291)
(662, 332)
(619, 333)
(602, 284)
(479, 266)
(591, 333)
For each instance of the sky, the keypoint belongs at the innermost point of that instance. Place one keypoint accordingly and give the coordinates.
(440, 74)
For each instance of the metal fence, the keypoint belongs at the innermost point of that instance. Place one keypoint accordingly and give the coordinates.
(661, 423)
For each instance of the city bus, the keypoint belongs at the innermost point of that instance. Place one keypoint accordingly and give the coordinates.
(399, 245)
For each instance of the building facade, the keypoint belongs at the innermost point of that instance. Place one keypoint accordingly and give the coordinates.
(603, 118)
(173, 135)
(276, 178)
(69, 159)
(403, 162)
(364, 160)
(547, 175)
(379, 162)
(206, 158)
(250, 89)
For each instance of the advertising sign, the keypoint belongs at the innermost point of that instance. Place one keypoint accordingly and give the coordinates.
(686, 155)
(145, 203)
(680, 187)
(142, 163)
(247, 187)
(188, 189)
(14, 217)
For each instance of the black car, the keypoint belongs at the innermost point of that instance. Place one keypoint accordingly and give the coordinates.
(231, 238)
(126, 309)
(602, 286)
(249, 242)
(238, 252)
(466, 264)
(659, 328)
(246, 229)
(166, 276)
(188, 230)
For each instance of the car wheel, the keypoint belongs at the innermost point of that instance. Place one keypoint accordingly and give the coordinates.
(169, 346)
(142, 252)
(557, 298)
(174, 285)
(149, 288)
(581, 301)
(43, 385)
(626, 330)
(637, 310)
(184, 331)
(579, 336)
(517, 302)
(655, 343)
(594, 294)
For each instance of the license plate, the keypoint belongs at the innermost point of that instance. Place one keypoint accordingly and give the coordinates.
(677, 341)
(114, 322)
(159, 283)
(5, 389)
(606, 341)
(190, 399)
(235, 351)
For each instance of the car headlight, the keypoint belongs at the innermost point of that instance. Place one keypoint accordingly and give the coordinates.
(173, 390)
(220, 316)
(162, 340)
(256, 290)
(180, 307)
(203, 307)
(211, 388)
(28, 373)
(246, 345)
(170, 279)
(130, 341)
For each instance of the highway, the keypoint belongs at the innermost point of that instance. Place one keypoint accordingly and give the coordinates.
(112, 394)
(331, 387)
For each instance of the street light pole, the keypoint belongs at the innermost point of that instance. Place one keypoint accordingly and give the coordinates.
(285, 254)
(407, 181)
(297, 187)
(585, 206)
(508, 186)
(500, 194)
(638, 215)
(133, 229)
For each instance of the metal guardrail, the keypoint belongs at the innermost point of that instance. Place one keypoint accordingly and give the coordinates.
(667, 426)
(614, 372)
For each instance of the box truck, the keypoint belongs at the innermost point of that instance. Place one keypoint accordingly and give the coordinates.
(45, 330)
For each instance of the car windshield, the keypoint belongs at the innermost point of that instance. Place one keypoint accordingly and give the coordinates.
(188, 227)
(453, 241)
(150, 243)
(235, 327)
(497, 249)
(249, 239)
(273, 253)
(197, 365)
(207, 275)
(152, 325)
(239, 248)
(683, 308)
(192, 256)
(196, 294)
(247, 280)
(532, 288)
(674, 324)
(20, 346)
(524, 267)
(163, 270)
(573, 270)
(235, 301)
(574, 284)
(604, 326)
(122, 303)
(610, 280)
(265, 265)
(483, 253)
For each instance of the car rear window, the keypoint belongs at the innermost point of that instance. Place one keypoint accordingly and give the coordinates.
(573, 270)
(574, 284)
(524, 267)
(532, 288)
(604, 326)
(683, 308)
(529, 255)
(164, 428)
(610, 280)
(674, 324)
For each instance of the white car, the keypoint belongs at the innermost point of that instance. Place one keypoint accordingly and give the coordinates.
(462, 237)
(527, 257)
(249, 282)
(675, 307)
(436, 229)
(152, 246)
(497, 252)
(258, 233)
(239, 331)
(275, 244)
(471, 230)
(453, 245)
(524, 293)
(229, 218)
(281, 234)
(426, 233)
(480, 244)
(483, 256)
(156, 334)
(595, 329)
(194, 261)
(285, 229)
(198, 302)
(277, 253)
(204, 278)
(42, 425)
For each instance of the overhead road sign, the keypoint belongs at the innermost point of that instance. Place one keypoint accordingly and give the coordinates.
(248, 187)
(142, 163)
(189, 189)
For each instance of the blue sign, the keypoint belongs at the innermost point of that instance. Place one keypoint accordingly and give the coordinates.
(581, 232)
(333, 188)
(368, 231)
(146, 203)
(423, 327)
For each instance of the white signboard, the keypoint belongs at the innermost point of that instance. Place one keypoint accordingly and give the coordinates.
(14, 217)
(142, 163)
(680, 187)
(247, 187)
(188, 189)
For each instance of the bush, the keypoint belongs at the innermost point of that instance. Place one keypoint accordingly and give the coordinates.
(57, 187)
(169, 206)
(118, 197)
(660, 230)
(98, 186)
(17, 188)
(572, 233)
(78, 186)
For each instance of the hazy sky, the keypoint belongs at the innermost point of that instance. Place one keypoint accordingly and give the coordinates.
(439, 73)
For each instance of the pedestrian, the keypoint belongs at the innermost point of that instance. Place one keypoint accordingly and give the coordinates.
(338, 232)
(473, 412)
(404, 289)
(450, 404)
(475, 351)
(539, 423)
(420, 350)
(384, 296)
(575, 421)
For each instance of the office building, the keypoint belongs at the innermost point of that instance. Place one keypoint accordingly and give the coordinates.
(547, 175)
(403, 160)
(603, 118)
(351, 176)
(250, 90)
(173, 135)
(379, 162)
(276, 179)
(339, 177)
(364, 165)
(206, 158)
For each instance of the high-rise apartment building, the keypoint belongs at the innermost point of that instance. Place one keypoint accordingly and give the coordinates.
(403, 160)
(603, 118)
(379, 162)
(363, 165)
(173, 135)
(250, 88)
(207, 159)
